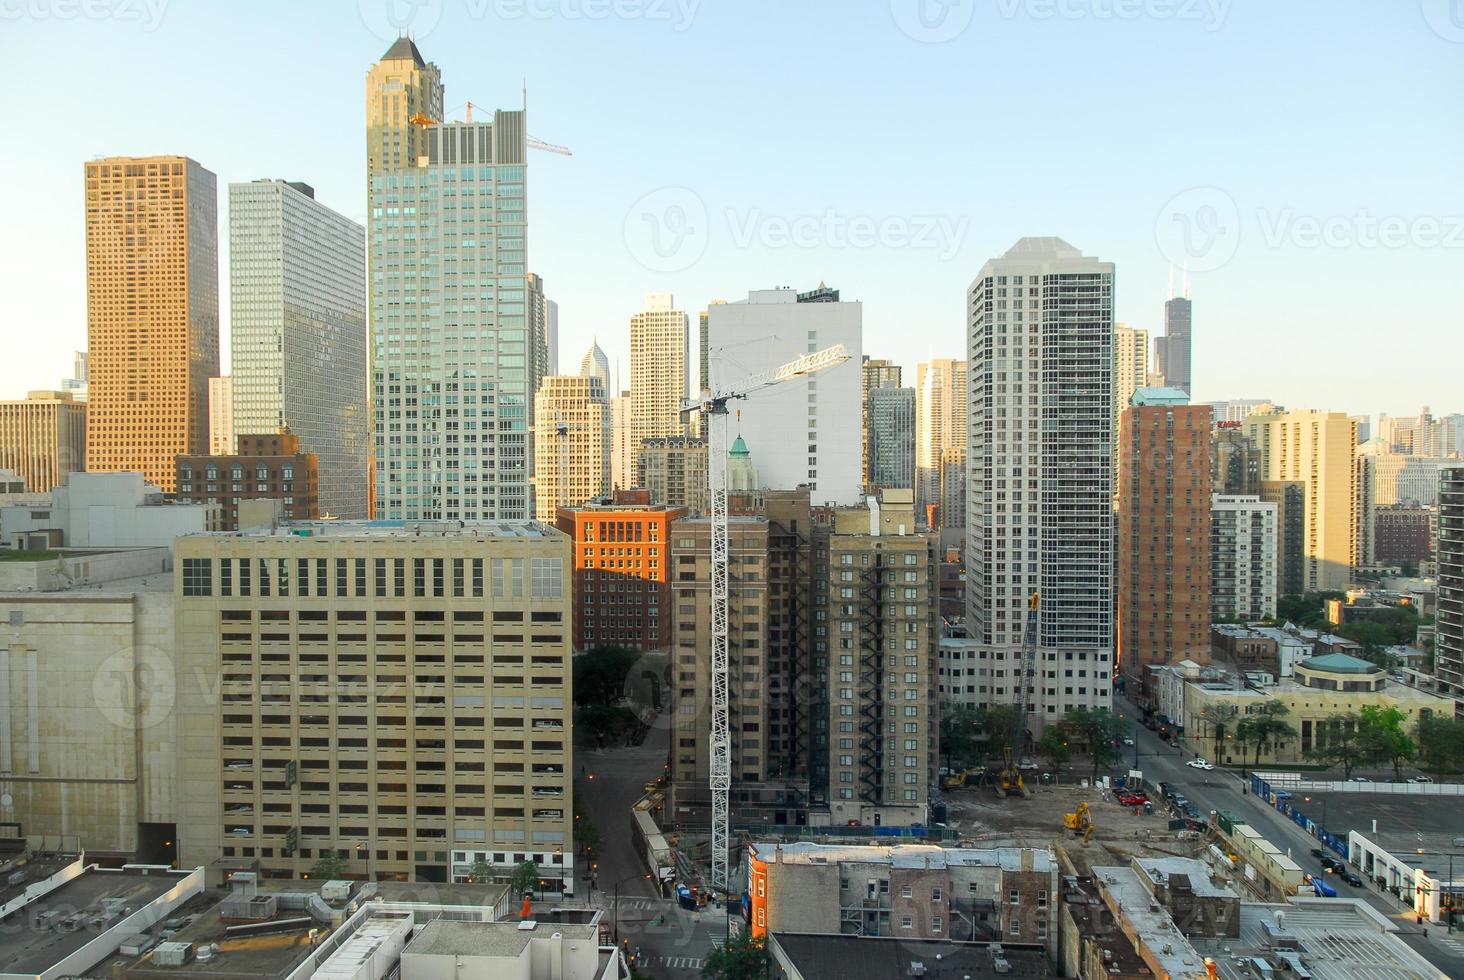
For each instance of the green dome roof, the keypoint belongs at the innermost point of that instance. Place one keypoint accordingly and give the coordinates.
(739, 449)
(1340, 663)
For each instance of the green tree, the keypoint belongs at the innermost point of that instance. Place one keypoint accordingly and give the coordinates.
(599, 675)
(525, 878)
(1440, 741)
(1339, 742)
(328, 867)
(743, 958)
(1384, 738)
(1100, 731)
(481, 872)
(998, 724)
(1221, 719)
(1265, 728)
(1054, 747)
(960, 735)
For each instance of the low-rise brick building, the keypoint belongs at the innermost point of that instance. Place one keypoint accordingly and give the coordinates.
(267, 467)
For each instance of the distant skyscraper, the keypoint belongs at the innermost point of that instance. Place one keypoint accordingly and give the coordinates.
(878, 373)
(399, 87)
(891, 439)
(1130, 364)
(1316, 450)
(152, 278)
(704, 369)
(658, 364)
(940, 427)
(1239, 409)
(622, 453)
(674, 470)
(1235, 464)
(1173, 350)
(1450, 669)
(1163, 577)
(221, 416)
(458, 348)
(43, 439)
(551, 336)
(1244, 559)
(803, 431)
(297, 297)
(1040, 450)
(596, 365)
(76, 384)
(572, 444)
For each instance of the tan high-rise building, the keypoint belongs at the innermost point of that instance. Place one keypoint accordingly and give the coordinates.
(658, 339)
(401, 696)
(1163, 575)
(1130, 364)
(398, 87)
(940, 426)
(571, 444)
(221, 416)
(674, 470)
(43, 438)
(622, 454)
(152, 282)
(1317, 450)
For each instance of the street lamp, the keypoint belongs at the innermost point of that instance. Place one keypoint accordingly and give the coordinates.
(1323, 802)
(617, 899)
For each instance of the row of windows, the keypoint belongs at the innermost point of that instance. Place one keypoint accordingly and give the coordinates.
(543, 577)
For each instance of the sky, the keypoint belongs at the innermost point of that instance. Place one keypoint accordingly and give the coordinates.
(1301, 158)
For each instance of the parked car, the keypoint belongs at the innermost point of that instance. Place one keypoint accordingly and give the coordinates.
(1352, 879)
(1332, 865)
(1127, 740)
(1318, 853)
(1360, 779)
(1192, 811)
(1420, 779)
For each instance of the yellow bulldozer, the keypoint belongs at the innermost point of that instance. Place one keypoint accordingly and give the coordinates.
(1080, 822)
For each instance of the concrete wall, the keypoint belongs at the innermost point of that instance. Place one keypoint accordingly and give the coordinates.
(804, 897)
(69, 570)
(87, 686)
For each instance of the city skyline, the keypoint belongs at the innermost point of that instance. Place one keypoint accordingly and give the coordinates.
(908, 291)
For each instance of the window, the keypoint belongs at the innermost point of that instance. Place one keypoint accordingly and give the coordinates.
(936, 923)
(906, 891)
(1016, 929)
(907, 922)
(197, 577)
(1014, 897)
(547, 578)
(935, 894)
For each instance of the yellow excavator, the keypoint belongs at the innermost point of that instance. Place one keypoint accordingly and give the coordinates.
(1009, 780)
(1080, 822)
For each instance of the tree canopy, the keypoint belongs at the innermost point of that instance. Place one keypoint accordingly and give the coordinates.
(743, 958)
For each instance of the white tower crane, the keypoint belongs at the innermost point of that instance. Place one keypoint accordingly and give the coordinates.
(714, 404)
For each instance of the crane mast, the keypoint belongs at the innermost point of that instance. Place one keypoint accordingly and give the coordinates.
(714, 405)
(1009, 780)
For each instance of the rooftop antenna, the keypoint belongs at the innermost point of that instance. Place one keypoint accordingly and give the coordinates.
(1186, 279)
(1171, 280)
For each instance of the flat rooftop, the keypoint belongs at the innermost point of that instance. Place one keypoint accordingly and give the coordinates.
(1162, 869)
(880, 958)
(446, 937)
(1152, 924)
(1337, 940)
(348, 530)
(1400, 820)
(33, 940)
(903, 855)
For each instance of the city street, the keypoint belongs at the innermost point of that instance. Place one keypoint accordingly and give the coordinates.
(1222, 789)
(672, 942)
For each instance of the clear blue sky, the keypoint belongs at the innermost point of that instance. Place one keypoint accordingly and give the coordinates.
(1310, 116)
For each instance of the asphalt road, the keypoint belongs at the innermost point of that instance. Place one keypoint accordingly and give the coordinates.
(672, 943)
(1221, 789)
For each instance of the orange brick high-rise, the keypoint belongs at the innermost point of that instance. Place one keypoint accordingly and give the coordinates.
(622, 566)
(1163, 582)
(152, 298)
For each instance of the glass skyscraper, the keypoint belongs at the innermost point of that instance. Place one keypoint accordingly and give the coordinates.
(454, 362)
(297, 300)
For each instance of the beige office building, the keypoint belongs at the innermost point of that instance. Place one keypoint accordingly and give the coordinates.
(674, 470)
(398, 87)
(571, 444)
(398, 695)
(43, 438)
(152, 296)
(1316, 450)
(221, 416)
(940, 426)
(1130, 364)
(658, 339)
(622, 454)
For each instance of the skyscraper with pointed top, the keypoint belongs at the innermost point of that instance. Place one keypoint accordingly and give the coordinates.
(596, 365)
(456, 321)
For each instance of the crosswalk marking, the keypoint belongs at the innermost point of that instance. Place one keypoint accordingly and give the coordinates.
(681, 962)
